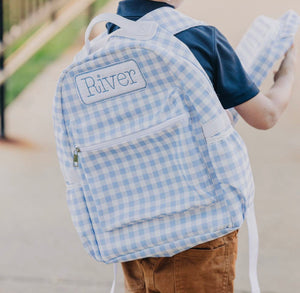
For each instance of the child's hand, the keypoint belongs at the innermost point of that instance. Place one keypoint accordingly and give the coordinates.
(288, 64)
(263, 111)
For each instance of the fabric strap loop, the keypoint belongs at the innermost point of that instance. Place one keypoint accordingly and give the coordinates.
(113, 287)
(113, 18)
(253, 249)
(142, 30)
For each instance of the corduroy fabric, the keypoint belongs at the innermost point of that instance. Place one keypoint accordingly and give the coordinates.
(206, 268)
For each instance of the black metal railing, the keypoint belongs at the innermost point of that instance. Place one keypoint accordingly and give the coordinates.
(16, 11)
(18, 17)
(2, 86)
(21, 17)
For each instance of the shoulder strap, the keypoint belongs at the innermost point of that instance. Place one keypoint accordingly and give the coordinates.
(166, 17)
(171, 20)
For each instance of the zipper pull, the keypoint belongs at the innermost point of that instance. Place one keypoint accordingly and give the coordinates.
(75, 156)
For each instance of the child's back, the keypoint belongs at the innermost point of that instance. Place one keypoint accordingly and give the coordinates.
(158, 164)
(214, 261)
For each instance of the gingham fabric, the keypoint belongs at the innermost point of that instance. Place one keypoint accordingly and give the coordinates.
(264, 43)
(168, 19)
(160, 169)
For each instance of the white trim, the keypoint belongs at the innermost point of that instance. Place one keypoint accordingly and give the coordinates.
(112, 290)
(217, 128)
(142, 30)
(135, 135)
(253, 249)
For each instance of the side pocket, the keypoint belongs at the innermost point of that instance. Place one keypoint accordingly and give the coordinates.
(81, 219)
(229, 159)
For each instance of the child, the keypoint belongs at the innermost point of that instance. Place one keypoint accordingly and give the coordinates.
(214, 261)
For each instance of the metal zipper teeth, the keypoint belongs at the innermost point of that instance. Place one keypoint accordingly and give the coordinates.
(133, 136)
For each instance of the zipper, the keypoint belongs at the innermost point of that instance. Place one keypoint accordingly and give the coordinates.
(126, 138)
(75, 156)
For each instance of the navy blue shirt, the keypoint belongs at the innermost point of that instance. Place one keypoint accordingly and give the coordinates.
(231, 83)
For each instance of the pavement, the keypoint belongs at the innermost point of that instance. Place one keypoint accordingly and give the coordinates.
(40, 251)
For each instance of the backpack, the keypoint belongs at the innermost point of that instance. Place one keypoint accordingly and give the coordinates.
(152, 163)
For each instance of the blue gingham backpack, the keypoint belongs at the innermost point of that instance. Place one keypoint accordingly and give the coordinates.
(152, 163)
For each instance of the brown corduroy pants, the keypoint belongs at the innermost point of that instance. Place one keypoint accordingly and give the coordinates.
(206, 268)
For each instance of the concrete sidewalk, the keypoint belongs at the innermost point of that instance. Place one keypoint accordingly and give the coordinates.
(40, 251)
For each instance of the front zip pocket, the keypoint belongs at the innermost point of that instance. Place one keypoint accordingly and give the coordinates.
(151, 173)
(127, 138)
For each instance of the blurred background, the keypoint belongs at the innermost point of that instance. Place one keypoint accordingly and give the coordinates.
(39, 248)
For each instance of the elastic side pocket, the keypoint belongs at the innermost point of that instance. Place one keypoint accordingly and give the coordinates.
(229, 157)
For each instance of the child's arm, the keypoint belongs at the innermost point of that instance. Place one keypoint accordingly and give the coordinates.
(263, 111)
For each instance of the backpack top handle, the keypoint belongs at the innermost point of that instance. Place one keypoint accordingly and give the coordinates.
(141, 30)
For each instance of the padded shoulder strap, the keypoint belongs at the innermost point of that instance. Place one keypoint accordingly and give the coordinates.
(171, 20)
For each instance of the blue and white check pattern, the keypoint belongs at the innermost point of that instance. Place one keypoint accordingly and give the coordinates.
(264, 43)
(163, 192)
(167, 18)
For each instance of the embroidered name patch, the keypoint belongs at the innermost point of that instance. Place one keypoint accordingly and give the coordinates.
(108, 82)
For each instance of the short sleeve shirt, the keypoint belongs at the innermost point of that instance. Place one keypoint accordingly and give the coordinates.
(212, 50)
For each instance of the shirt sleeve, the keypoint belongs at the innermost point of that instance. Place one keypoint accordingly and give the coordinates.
(232, 84)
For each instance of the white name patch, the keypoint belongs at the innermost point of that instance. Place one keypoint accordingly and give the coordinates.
(108, 82)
